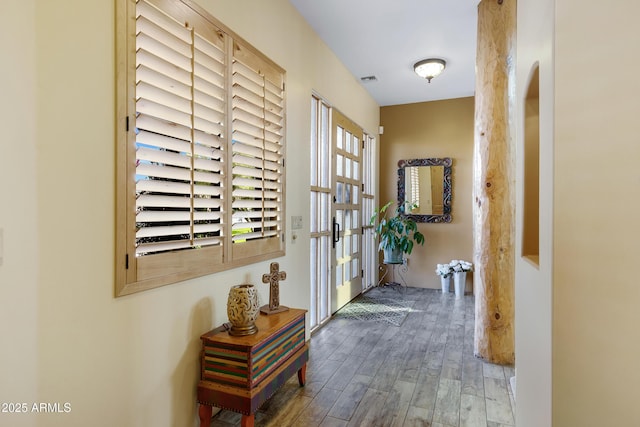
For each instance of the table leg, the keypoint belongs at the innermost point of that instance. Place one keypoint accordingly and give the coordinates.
(247, 420)
(385, 268)
(302, 375)
(204, 412)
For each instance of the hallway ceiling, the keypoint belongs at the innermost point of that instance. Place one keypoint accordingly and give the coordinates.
(384, 38)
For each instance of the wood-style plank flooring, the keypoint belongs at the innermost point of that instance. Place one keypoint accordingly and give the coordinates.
(422, 373)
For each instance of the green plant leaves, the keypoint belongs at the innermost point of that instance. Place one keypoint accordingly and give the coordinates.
(397, 231)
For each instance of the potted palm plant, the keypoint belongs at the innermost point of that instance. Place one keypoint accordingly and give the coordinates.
(398, 233)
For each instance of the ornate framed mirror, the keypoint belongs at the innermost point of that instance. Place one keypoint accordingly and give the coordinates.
(425, 184)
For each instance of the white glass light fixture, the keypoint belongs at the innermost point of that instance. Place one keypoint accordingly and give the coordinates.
(429, 68)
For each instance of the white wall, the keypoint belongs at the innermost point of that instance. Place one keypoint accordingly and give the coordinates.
(131, 361)
(535, 29)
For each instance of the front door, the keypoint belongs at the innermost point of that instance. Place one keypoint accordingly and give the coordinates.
(346, 210)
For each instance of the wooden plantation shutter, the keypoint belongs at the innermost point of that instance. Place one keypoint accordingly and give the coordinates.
(179, 129)
(181, 91)
(257, 148)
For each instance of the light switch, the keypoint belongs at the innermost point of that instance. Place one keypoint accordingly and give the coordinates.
(296, 222)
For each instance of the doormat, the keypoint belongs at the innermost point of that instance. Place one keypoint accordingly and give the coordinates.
(378, 309)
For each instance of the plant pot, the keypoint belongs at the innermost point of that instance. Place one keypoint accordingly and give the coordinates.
(446, 283)
(243, 310)
(392, 256)
(460, 283)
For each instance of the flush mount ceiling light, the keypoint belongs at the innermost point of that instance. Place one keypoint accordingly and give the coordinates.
(429, 68)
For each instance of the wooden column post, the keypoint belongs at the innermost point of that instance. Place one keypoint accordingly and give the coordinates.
(494, 168)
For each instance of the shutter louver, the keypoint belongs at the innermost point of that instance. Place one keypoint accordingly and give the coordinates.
(180, 116)
(257, 141)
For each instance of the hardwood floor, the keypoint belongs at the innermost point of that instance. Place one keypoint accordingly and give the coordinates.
(422, 373)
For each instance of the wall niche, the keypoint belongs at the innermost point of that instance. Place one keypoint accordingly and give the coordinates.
(531, 212)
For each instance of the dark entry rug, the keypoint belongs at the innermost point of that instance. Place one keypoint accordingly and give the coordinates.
(373, 307)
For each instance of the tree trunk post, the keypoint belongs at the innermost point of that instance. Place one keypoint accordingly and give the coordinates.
(494, 168)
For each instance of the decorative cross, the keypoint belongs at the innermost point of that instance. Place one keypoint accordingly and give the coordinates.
(273, 279)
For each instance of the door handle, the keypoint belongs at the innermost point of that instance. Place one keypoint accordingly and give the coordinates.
(336, 232)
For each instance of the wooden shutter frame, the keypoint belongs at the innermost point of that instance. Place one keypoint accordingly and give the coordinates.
(128, 267)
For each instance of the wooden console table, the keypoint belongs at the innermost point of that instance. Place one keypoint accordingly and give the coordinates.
(241, 373)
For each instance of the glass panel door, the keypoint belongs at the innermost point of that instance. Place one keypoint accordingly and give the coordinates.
(369, 247)
(321, 254)
(346, 211)
(342, 188)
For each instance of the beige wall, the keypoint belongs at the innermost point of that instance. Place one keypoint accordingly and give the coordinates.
(577, 314)
(18, 209)
(131, 361)
(596, 292)
(432, 129)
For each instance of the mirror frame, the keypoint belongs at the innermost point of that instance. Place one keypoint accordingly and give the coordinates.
(446, 188)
